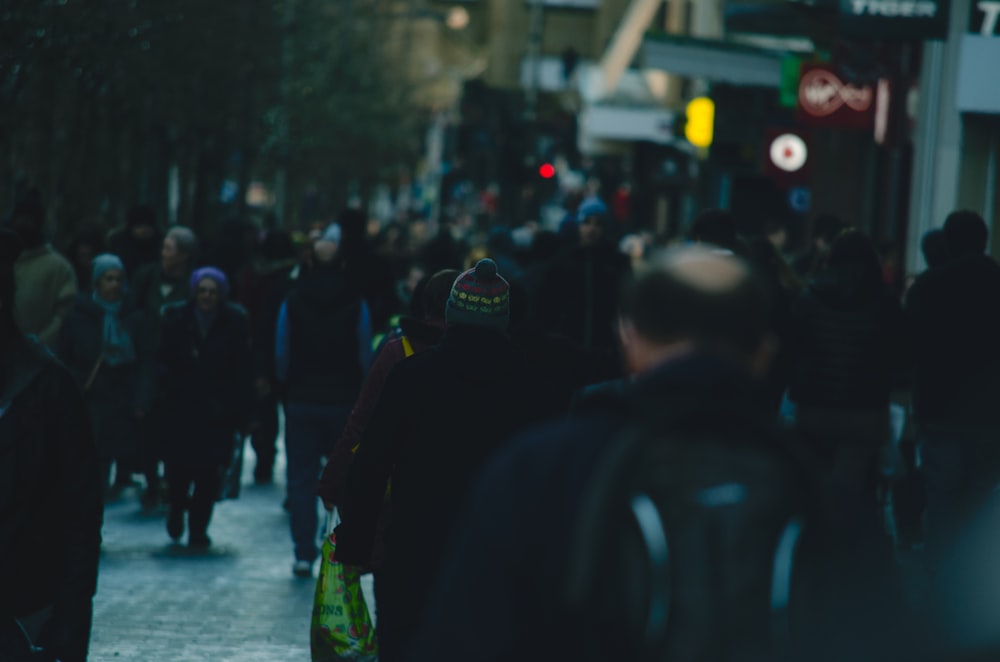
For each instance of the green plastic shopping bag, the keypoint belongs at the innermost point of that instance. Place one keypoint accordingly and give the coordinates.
(341, 625)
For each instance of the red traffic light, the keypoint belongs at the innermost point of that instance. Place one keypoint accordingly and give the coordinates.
(547, 171)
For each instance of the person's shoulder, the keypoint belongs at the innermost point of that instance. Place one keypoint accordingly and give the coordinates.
(557, 444)
(236, 311)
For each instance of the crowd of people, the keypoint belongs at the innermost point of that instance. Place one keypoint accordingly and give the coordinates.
(514, 427)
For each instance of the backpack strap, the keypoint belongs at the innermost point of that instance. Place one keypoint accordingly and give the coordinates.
(407, 347)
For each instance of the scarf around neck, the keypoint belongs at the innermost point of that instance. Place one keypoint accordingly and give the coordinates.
(117, 344)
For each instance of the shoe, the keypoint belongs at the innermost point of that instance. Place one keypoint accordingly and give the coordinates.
(175, 523)
(303, 569)
(199, 541)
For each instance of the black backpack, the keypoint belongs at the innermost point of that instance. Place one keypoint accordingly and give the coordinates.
(685, 548)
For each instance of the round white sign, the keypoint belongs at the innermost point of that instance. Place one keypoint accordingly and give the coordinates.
(788, 152)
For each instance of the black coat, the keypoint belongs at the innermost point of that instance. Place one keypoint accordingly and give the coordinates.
(579, 295)
(500, 594)
(206, 384)
(50, 501)
(117, 392)
(846, 343)
(954, 311)
(441, 413)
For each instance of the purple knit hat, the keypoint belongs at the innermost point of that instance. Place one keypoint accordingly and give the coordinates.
(210, 272)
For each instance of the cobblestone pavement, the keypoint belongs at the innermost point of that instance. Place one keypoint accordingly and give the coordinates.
(158, 602)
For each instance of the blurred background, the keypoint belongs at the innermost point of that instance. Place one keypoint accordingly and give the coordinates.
(885, 113)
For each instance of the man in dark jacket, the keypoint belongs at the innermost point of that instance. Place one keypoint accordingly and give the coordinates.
(694, 332)
(139, 242)
(441, 413)
(322, 351)
(954, 312)
(578, 297)
(50, 496)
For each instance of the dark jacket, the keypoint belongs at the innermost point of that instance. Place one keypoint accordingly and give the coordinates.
(507, 565)
(50, 501)
(440, 415)
(421, 336)
(845, 343)
(146, 291)
(578, 297)
(117, 392)
(333, 482)
(134, 254)
(206, 383)
(324, 313)
(954, 312)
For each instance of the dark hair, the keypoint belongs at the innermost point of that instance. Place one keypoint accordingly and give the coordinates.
(664, 306)
(856, 250)
(966, 233)
(434, 298)
(934, 246)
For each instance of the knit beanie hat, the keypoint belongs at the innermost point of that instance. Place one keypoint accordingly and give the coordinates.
(212, 273)
(480, 297)
(103, 263)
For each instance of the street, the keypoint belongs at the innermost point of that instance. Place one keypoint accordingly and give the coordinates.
(237, 601)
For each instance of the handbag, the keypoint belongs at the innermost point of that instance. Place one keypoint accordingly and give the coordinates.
(341, 628)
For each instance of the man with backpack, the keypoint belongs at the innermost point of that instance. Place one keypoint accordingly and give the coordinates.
(669, 526)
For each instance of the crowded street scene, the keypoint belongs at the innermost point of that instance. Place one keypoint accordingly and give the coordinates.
(499, 330)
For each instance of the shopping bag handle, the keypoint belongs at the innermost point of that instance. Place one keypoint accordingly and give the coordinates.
(332, 520)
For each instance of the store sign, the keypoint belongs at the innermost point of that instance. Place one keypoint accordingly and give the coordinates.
(894, 19)
(788, 152)
(985, 19)
(976, 83)
(827, 100)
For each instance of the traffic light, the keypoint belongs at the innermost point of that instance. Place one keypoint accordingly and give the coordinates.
(547, 171)
(700, 121)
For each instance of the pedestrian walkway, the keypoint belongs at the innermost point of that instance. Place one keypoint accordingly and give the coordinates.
(236, 602)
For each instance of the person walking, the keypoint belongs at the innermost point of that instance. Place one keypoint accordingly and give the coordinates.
(547, 562)
(206, 380)
(953, 310)
(417, 334)
(50, 495)
(154, 287)
(139, 242)
(440, 414)
(106, 345)
(578, 296)
(845, 347)
(322, 351)
(46, 281)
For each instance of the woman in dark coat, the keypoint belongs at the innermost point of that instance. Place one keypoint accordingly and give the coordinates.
(105, 344)
(845, 337)
(206, 378)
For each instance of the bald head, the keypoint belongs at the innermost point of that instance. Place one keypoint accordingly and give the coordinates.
(703, 270)
(699, 299)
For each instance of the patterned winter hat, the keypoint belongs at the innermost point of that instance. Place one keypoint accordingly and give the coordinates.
(480, 297)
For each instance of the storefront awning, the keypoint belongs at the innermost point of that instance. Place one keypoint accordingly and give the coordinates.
(718, 61)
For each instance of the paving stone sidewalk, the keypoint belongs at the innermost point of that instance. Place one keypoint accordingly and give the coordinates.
(158, 602)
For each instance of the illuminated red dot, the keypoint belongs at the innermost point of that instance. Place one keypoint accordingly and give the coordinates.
(547, 171)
